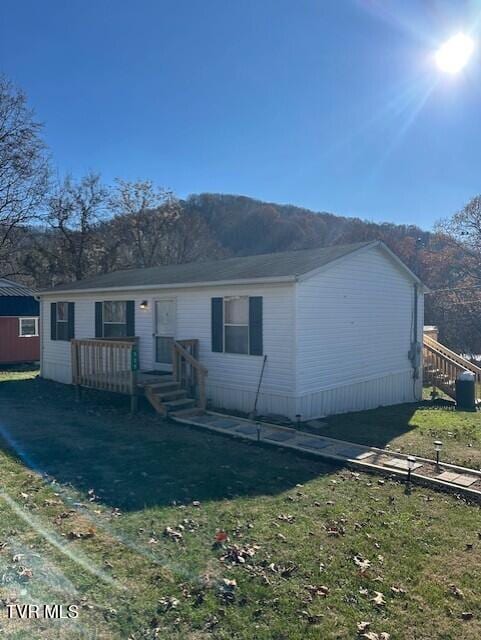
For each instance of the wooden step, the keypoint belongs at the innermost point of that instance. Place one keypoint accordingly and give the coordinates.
(161, 387)
(188, 413)
(166, 396)
(177, 405)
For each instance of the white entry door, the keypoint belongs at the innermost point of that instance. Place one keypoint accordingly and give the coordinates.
(164, 333)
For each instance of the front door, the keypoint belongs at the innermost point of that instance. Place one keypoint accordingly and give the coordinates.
(164, 333)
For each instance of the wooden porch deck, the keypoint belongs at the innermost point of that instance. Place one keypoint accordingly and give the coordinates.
(113, 365)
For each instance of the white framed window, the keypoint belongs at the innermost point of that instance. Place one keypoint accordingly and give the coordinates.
(28, 327)
(114, 317)
(236, 324)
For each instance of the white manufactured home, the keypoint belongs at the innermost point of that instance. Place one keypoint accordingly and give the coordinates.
(305, 333)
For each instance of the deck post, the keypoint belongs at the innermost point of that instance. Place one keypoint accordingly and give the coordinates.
(134, 403)
(134, 369)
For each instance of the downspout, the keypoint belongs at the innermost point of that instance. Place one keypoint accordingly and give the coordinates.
(40, 330)
(415, 350)
(416, 312)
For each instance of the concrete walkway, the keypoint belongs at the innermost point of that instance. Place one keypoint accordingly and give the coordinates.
(446, 476)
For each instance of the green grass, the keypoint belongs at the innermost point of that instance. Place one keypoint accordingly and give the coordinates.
(412, 428)
(91, 470)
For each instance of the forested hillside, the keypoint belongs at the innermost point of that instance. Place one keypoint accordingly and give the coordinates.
(56, 230)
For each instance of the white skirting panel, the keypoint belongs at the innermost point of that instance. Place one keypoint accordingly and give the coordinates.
(242, 400)
(56, 372)
(395, 388)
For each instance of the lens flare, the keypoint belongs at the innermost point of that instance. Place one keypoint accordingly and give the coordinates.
(455, 53)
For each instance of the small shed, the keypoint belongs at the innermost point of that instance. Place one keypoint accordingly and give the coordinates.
(19, 324)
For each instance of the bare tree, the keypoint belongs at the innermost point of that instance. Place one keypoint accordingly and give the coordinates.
(144, 216)
(23, 168)
(458, 302)
(74, 212)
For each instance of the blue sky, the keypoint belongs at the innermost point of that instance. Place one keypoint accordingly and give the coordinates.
(335, 105)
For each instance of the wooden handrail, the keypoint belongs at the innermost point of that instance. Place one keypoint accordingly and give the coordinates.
(194, 378)
(447, 359)
(190, 359)
(436, 346)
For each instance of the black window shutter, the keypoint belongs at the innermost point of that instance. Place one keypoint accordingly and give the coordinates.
(255, 326)
(217, 319)
(99, 328)
(130, 316)
(71, 320)
(53, 320)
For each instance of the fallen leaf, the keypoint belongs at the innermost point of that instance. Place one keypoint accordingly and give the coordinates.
(378, 599)
(286, 517)
(397, 590)
(81, 535)
(169, 602)
(363, 626)
(173, 534)
(285, 571)
(362, 564)
(26, 573)
(456, 591)
(220, 536)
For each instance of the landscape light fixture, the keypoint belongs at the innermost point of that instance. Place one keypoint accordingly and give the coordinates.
(298, 419)
(258, 425)
(144, 304)
(411, 461)
(438, 445)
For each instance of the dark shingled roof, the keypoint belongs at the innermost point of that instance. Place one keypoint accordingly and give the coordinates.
(270, 265)
(10, 288)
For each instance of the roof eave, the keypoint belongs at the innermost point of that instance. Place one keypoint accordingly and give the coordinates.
(182, 285)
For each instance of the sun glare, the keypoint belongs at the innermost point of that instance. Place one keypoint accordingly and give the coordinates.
(455, 53)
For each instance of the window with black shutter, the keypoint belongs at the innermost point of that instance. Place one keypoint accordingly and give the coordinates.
(237, 325)
(62, 321)
(115, 319)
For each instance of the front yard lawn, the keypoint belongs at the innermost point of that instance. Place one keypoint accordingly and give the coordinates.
(412, 428)
(120, 516)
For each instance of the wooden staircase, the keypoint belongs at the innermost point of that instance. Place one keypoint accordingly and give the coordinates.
(442, 366)
(183, 392)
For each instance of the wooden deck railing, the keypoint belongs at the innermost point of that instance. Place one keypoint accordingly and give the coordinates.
(109, 365)
(187, 370)
(442, 367)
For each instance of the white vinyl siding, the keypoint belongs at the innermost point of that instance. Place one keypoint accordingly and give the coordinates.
(354, 328)
(232, 378)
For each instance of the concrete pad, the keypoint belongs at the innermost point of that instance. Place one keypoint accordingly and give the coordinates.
(247, 430)
(202, 419)
(278, 436)
(224, 424)
(352, 452)
(402, 463)
(447, 476)
(465, 481)
(364, 455)
(311, 443)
